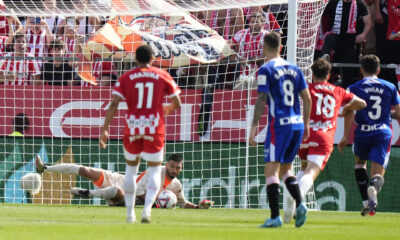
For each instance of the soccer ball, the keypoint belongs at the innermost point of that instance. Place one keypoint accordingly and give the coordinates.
(31, 182)
(167, 199)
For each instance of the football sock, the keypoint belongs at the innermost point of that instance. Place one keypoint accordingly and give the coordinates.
(362, 182)
(152, 188)
(377, 181)
(365, 203)
(130, 188)
(104, 193)
(299, 175)
(293, 188)
(67, 168)
(273, 199)
(305, 184)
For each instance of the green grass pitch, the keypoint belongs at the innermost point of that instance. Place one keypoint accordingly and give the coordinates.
(29, 222)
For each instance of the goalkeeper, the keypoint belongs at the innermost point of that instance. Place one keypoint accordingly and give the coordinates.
(110, 184)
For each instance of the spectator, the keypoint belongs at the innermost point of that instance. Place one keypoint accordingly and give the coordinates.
(57, 72)
(104, 72)
(6, 40)
(248, 43)
(226, 22)
(393, 31)
(87, 26)
(383, 45)
(271, 24)
(370, 39)
(39, 37)
(54, 22)
(72, 39)
(18, 67)
(346, 18)
(8, 23)
(20, 125)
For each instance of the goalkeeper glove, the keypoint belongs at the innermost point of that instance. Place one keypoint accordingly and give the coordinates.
(205, 204)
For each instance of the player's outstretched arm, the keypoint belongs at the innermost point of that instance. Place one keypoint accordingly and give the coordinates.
(109, 117)
(348, 121)
(258, 111)
(355, 105)
(203, 204)
(306, 97)
(396, 112)
(175, 104)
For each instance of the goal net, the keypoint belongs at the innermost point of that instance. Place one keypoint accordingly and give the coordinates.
(56, 88)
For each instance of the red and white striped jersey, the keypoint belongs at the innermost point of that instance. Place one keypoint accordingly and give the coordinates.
(270, 22)
(4, 26)
(37, 43)
(70, 44)
(23, 69)
(249, 45)
(100, 68)
(214, 22)
(3, 45)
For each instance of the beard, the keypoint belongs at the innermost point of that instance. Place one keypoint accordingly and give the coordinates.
(169, 175)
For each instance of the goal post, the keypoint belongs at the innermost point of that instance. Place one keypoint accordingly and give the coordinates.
(202, 44)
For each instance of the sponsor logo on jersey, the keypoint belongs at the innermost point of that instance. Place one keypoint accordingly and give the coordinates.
(290, 120)
(373, 127)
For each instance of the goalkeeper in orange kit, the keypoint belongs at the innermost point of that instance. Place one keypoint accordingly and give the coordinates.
(110, 184)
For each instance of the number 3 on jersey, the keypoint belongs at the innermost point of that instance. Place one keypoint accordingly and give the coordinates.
(376, 106)
(149, 86)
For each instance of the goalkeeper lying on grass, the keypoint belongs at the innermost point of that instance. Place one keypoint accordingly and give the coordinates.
(110, 184)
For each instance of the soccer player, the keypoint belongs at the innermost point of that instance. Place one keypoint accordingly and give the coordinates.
(372, 136)
(315, 151)
(283, 83)
(110, 184)
(144, 89)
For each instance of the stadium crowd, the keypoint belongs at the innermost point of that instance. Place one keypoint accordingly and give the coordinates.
(47, 50)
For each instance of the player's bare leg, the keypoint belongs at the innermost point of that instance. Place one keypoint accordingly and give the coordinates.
(132, 166)
(376, 183)
(362, 179)
(294, 190)
(152, 188)
(272, 177)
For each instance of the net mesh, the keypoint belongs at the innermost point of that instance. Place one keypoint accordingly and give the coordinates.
(213, 53)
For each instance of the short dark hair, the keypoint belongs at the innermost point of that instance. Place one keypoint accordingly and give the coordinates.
(19, 34)
(321, 68)
(21, 122)
(57, 44)
(370, 63)
(272, 40)
(144, 54)
(176, 158)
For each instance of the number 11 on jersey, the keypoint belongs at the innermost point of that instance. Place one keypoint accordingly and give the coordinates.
(150, 87)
